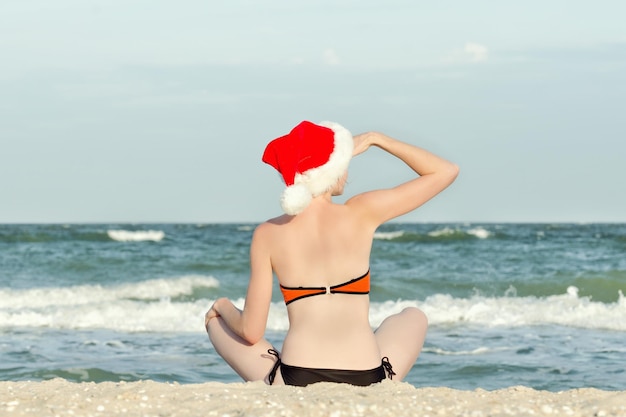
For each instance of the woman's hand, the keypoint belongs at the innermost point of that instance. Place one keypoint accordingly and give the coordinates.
(211, 314)
(362, 142)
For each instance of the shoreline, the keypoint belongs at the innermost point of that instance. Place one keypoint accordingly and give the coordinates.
(58, 397)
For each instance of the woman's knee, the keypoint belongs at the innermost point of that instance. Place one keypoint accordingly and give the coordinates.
(213, 328)
(416, 316)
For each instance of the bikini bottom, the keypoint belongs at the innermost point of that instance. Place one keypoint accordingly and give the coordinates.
(299, 376)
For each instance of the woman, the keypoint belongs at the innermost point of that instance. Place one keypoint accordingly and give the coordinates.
(320, 251)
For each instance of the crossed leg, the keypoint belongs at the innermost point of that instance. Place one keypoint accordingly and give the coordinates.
(251, 362)
(400, 337)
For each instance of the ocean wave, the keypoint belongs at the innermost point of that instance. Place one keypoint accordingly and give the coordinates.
(93, 295)
(480, 232)
(161, 306)
(451, 233)
(388, 235)
(567, 309)
(149, 306)
(483, 350)
(441, 234)
(51, 234)
(136, 235)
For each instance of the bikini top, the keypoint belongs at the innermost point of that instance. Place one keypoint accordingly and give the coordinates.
(360, 285)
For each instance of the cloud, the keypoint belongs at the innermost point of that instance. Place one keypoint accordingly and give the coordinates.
(476, 51)
(331, 57)
(471, 53)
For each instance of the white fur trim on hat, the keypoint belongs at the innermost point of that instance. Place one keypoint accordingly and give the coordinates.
(321, 179)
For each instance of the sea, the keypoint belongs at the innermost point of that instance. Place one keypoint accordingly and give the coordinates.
(539, 305)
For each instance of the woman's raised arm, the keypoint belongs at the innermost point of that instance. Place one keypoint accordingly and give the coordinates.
(434, 175)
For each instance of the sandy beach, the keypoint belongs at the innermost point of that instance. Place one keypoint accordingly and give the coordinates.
(147, 398)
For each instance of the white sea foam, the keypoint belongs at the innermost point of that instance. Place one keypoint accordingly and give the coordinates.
(479, 232)
(134, 307)
(136, 235)
(446, 231)
(388, 235)
(157, 306)
(144, 291)
(478, 351)
(565, 310)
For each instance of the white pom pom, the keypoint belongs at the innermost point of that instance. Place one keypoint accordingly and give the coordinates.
(295, 198)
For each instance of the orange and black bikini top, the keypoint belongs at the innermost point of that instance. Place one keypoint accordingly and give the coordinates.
(360, 285)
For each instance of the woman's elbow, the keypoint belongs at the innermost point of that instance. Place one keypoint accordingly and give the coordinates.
(451, 172)
(253, 339)
(252, 335)
(455, 170)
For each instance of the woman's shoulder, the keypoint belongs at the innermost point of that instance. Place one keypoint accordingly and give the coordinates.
(275, 222)
(271, 225)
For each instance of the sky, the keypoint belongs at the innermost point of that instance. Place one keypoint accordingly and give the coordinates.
(159, 111)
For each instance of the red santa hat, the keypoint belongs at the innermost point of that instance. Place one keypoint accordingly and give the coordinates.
(311, 159)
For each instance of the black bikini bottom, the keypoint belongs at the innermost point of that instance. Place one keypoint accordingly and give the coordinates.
(299, 376)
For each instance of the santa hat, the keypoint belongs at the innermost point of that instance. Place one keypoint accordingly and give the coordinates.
(311, 159)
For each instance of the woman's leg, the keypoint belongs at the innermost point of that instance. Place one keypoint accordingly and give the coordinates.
(251, 362)
(400, 337)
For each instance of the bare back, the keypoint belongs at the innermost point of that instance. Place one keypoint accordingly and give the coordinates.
(326, 245)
